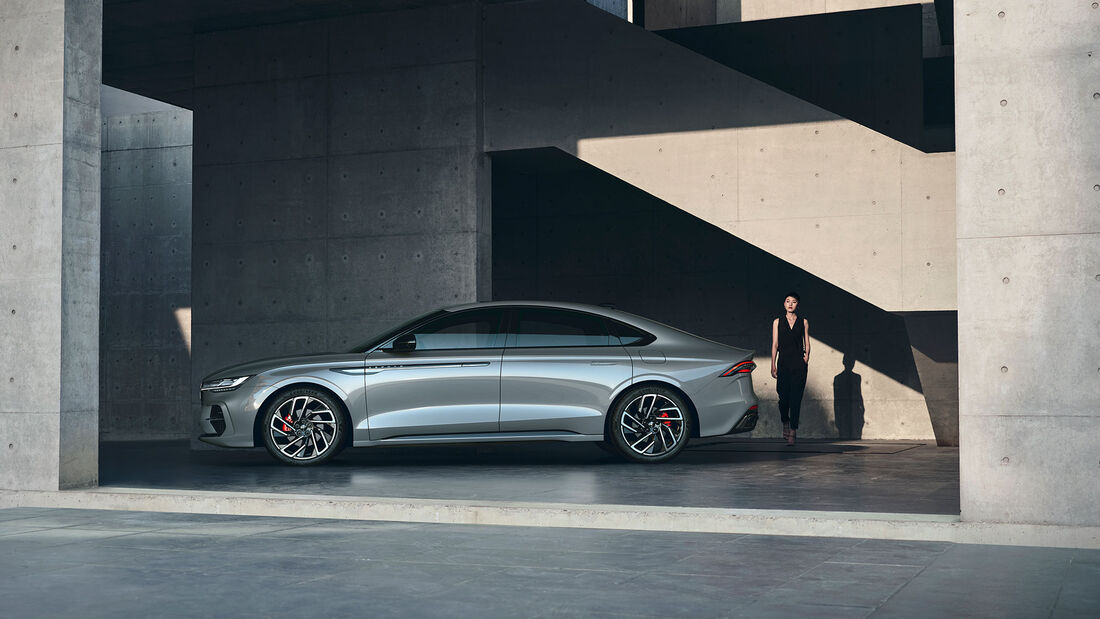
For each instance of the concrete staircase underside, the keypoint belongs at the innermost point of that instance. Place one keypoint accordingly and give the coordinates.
(852, 206)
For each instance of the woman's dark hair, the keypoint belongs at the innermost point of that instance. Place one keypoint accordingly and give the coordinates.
(795, 295)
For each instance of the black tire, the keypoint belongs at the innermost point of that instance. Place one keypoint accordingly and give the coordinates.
(650, 424)
(303, 427)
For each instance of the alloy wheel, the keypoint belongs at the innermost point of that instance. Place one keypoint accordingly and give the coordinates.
(652, 425)
(303, 428)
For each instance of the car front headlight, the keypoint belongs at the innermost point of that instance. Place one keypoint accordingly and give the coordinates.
(224, 384)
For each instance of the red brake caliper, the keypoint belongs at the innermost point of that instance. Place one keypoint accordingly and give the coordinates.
(668, 424)
(285, 428)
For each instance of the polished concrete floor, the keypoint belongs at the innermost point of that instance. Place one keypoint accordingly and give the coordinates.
(90, 564)
(898, 477)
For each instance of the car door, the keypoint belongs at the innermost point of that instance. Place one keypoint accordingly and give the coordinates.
(560, 370)
(448, 384)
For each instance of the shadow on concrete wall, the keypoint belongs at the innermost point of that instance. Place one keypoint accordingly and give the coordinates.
(564, 230)
(848, 407)
(145, 272)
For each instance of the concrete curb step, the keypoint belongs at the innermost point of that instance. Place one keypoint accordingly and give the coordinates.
(917, 527)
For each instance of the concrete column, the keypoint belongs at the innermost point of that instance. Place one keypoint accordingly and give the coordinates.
(50, 68)
(1028, 195)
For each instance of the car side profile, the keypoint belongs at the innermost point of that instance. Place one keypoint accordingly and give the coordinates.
(490, 372)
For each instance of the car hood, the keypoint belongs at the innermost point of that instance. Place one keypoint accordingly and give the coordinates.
(253, 368)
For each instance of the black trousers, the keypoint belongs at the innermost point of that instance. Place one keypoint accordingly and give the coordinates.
(790, 383)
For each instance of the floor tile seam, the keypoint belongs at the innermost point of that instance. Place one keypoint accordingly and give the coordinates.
(1061, 587)
(872, 564)
(77, 541)
(904, 586)
(784, 583)
(186, 531)
(501, 566)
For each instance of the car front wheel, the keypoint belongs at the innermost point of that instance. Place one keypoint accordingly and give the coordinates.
(303, 426)
(650, 424)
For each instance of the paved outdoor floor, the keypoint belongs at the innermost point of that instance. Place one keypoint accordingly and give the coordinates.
(89, 563)
(899, 477)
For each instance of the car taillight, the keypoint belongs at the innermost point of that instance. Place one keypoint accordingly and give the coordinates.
(745, 367)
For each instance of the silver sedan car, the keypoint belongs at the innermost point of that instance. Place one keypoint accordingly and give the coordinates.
(490, 372)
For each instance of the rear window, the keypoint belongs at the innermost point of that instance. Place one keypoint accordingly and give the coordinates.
(628, 335)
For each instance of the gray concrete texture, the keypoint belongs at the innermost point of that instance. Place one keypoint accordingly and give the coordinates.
(737, 153)
(643, 255)
(49, 270)
(1029, 260)
(145, 288)
(110, 564)
(337, 183)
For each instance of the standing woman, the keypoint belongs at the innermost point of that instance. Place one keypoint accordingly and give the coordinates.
(790, 359)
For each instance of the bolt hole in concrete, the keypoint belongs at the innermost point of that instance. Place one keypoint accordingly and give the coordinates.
(1004, 369)
(1000, 192)
(1005, 280)
(1001, 14)
(1004, 460)
(1004, 102)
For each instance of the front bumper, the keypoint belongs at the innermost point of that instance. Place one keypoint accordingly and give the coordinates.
(227, 419)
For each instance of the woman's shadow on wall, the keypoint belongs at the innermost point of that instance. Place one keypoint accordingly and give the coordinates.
(848, 401)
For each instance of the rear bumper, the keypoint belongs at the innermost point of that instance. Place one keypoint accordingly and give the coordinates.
(747, 423)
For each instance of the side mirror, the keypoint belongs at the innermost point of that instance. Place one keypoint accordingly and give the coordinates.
(405, 343)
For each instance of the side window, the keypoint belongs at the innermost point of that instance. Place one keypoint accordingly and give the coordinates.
(539, 327)
(628, 335)
(472, 329)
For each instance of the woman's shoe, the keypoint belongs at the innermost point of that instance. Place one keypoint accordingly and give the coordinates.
(786, 431)
(790, 438)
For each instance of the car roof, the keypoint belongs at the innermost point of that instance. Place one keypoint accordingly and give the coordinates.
(594, 309)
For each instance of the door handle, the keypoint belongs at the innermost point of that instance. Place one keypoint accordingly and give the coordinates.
(603, 363)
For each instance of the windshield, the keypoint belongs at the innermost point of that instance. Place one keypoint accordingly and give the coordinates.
(382, 336)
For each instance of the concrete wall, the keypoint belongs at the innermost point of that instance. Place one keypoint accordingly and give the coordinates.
(49, 243)
(145, 290)
(338, 187)
(787, 177)
(1028, 92)
(566, 231)
(757, 162)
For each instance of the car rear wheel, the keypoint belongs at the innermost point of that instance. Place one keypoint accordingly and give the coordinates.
(304, 426)
(650, 424)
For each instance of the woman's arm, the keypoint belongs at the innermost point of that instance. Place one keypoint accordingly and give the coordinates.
(806, 341)
(775, 346)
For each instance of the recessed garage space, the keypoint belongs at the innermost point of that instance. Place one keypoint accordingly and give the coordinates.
(345, 179)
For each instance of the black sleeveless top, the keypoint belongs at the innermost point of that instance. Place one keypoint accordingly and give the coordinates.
(790, 343)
